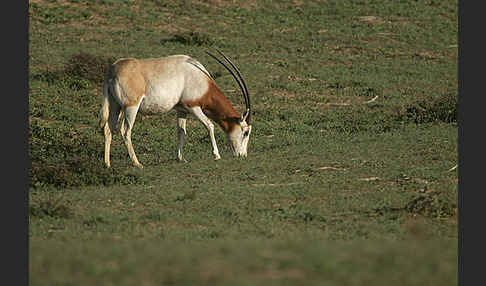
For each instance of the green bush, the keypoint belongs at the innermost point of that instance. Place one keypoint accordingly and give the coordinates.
(191, 39)
(49, 208)
(433, 109)
(431, 204)
(88, 66)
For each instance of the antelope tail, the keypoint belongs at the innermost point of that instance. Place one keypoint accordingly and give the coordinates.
(105, 108)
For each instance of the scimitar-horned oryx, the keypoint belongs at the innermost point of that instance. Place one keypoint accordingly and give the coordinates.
(179, 82)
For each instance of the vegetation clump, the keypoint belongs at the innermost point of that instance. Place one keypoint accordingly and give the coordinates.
(191, 38)
(50, 208)
(433, 109)
(88, 66)
(431, 204)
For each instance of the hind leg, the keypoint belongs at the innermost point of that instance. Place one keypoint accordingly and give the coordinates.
(109, 128)
(181, 132)
(128, 121)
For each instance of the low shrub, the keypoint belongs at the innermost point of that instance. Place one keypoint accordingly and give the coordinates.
(191, 39)
(88, 66)
(432, 109)
(49, 208)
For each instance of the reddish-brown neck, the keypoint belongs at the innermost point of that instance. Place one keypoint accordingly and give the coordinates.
(217, 107)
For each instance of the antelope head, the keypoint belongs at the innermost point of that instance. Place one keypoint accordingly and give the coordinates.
(239, 135)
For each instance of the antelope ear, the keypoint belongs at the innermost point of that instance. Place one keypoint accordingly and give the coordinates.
(245, 115)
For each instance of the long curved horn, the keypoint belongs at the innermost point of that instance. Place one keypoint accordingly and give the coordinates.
(239, 75)
(239, 79)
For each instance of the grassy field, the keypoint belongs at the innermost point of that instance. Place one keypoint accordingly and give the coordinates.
(349, 178)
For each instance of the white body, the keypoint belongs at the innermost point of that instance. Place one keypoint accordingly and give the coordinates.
(172, 80)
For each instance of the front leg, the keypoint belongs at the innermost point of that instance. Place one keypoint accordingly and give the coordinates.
(197, 111)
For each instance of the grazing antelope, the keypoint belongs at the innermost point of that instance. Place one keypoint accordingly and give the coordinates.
(177, 82)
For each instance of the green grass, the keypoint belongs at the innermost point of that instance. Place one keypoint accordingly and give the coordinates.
(288, 262)
(347, 180)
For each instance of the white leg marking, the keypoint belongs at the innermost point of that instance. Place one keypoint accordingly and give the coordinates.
(130, 115)
(109, 128)
(107, 144)
(121, 119)
(197, 111)
(181, 131)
